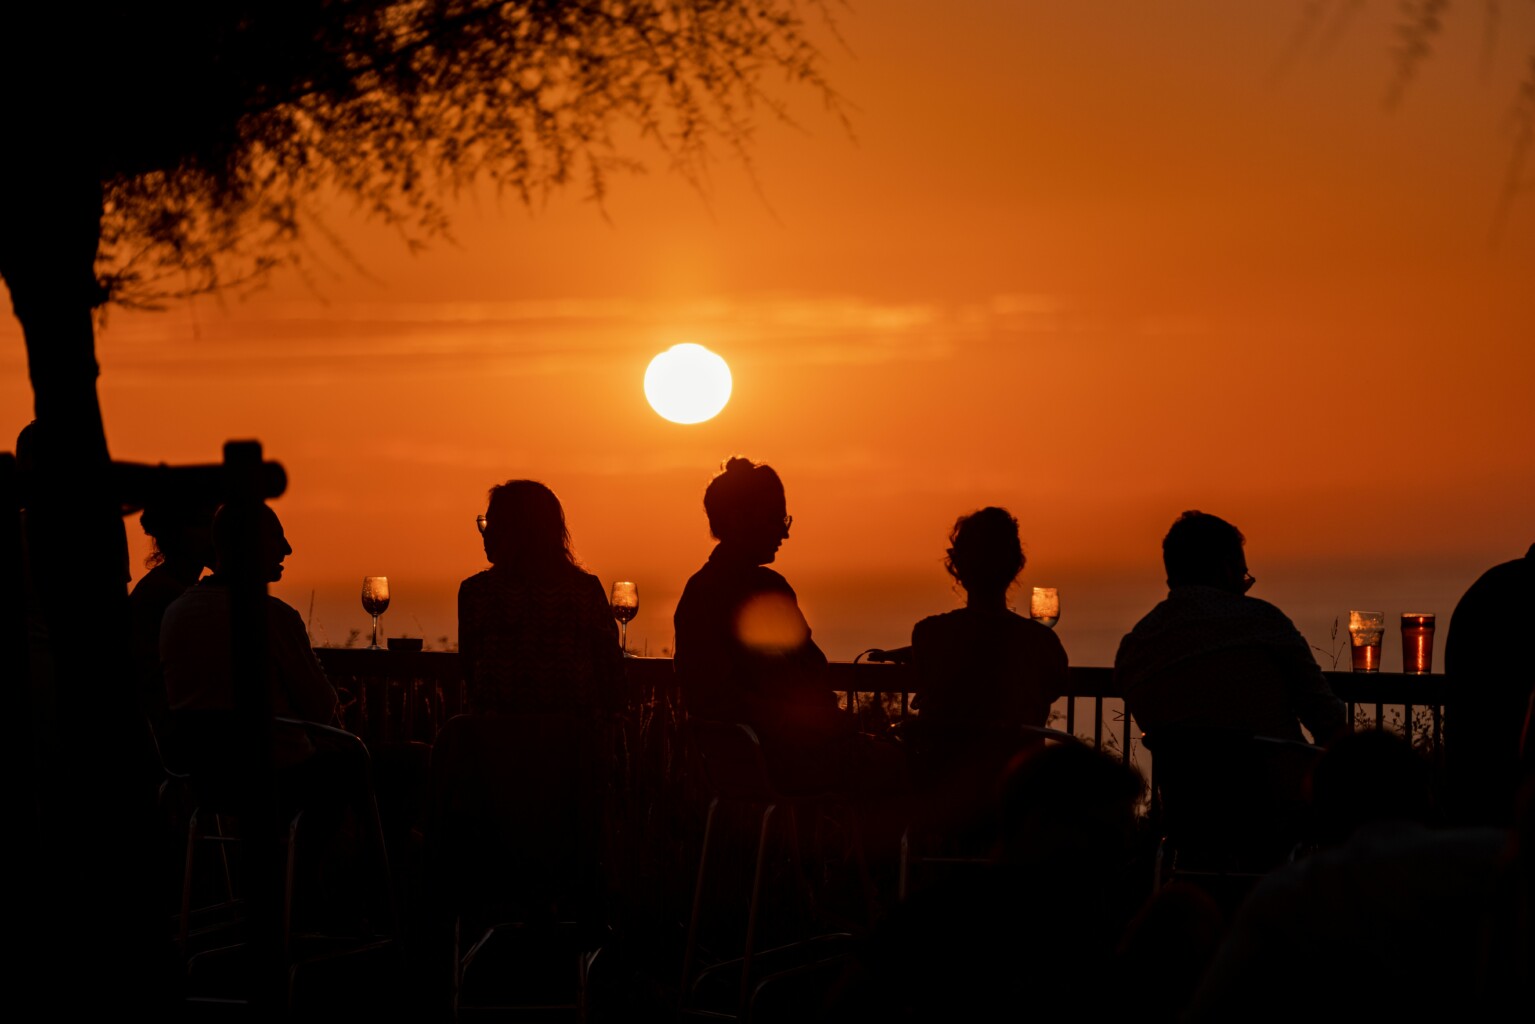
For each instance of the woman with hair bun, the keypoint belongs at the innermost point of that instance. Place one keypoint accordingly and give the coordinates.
(983, 671)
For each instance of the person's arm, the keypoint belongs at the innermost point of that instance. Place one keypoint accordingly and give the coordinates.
(1314, 703)
(926, 662)
(468, 630)
(310, 694)
(1057, 676)
(701, 657)
(609, 678)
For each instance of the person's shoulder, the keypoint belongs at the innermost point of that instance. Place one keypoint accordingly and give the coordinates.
(199, 607)
(203, 593)
(934, 630)
(1259, 608)
(699, 580)
(1513, 579)
(478, 581)
(1154, 618)
(282, 611)
(1035, 633)
(940, 621)
(764, 579)
(587, 584)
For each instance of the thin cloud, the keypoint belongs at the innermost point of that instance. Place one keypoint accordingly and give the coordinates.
(315, 341)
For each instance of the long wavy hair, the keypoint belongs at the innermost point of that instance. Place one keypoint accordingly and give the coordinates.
(525, 529)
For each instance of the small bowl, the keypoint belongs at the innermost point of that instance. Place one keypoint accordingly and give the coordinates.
(404, 643)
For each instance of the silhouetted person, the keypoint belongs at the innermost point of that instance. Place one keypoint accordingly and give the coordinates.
(1491, 676)
(535, 633)
(1400, 904)
(1507, 963)
(743, 648)
(326, 772)
(1209, 656)
(1030, 935)
(182, 533)
(196, 645)
(983, 672)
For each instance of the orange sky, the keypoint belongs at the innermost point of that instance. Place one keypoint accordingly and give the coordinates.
(1097, 263)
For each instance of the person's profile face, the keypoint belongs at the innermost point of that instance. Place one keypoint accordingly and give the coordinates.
(274, 548)
(1239, 580)
(763, 532)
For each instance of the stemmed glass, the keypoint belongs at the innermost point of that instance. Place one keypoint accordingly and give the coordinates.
(1045, 606)
(375, 599)
(625, 602)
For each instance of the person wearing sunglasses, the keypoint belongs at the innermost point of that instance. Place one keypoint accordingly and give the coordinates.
(743, 650)
(535, 635)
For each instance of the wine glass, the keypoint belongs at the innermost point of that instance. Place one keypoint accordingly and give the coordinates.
(375, 598)
(1045, 606)
(625, 602)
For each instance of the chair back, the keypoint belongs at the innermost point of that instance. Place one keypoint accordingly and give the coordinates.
(729, 760)
(1230, 795)
(514, 825)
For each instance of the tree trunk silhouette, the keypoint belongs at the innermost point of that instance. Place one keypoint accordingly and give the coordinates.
(94, 871)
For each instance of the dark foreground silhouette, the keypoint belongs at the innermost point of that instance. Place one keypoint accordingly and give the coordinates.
(734, 841)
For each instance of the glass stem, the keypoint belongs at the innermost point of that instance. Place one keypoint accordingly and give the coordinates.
(375, 631)
(623, 638)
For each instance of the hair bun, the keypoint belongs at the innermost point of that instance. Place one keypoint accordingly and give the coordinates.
(739, 464)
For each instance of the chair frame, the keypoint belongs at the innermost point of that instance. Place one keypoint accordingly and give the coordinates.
(1165, 868)
(294, 963)
(464, 958)
(908, 859)
(754, 787)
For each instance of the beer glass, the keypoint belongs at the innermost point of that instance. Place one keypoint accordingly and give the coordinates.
(1364, 633)
(1417, 642)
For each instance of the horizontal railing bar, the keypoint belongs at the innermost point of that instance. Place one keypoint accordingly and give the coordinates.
(1086, 680)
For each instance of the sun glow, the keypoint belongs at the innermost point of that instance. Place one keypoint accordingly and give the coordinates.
(687, 384)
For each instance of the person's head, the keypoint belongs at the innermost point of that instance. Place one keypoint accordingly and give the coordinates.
(747, 509)
(525, 528)
(1364, 777)
(182, 531)
(238, 523)
(984, 552)
(1205, 550)
(1069, 805)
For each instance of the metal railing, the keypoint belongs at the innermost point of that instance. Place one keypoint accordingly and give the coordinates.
(407, 695)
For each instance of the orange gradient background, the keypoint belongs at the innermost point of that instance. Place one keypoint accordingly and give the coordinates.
(1095, 263)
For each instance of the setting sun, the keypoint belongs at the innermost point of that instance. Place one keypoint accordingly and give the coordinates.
(687, 384)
